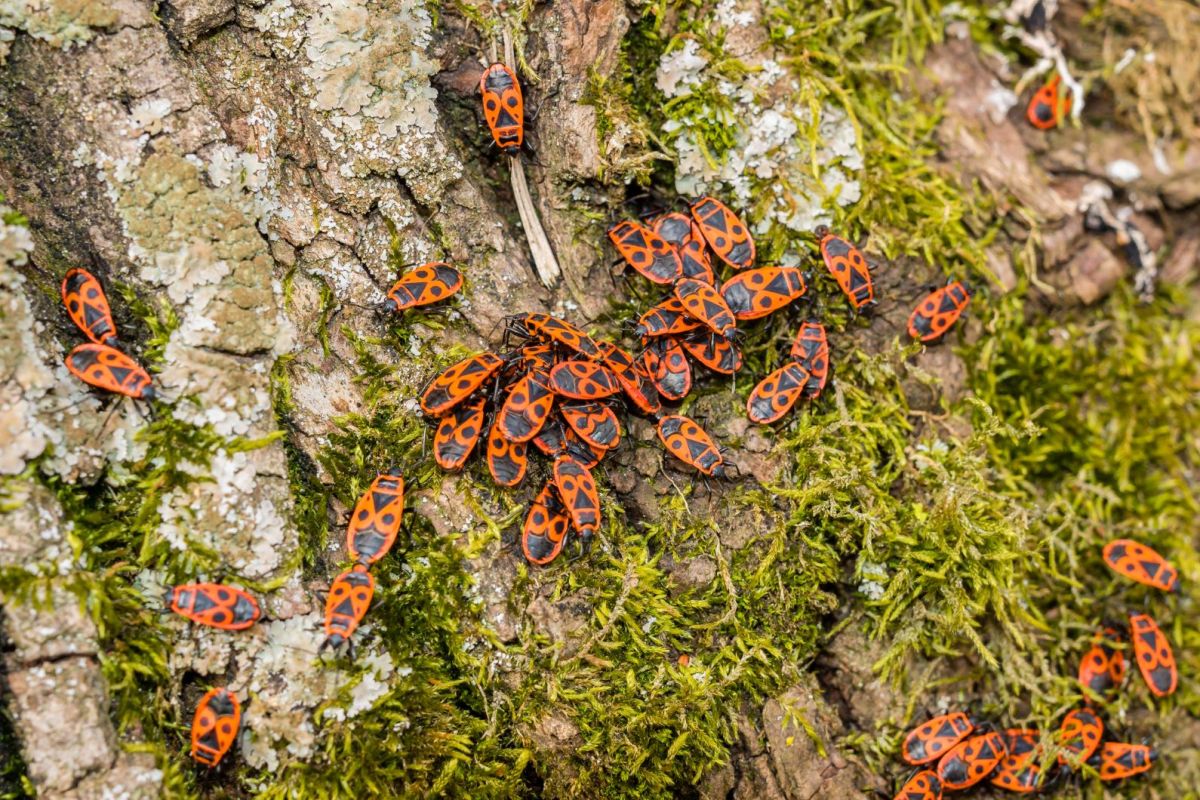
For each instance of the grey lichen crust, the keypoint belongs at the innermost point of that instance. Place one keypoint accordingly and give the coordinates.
(246, 177)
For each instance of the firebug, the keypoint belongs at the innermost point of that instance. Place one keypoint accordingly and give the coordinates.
(346, 605)
(760, 292)
(215, 605)
(375, 520)
(938, 312)
(457, 434)
(691, 444)
(111, 370)
(775, 394)
(1046, 107)
(87, 305)
(503, 107)
(1079, 735)
(458, 382)
(727, 235)
(1119, 760)
(546, 527)
(215, 726)
(426, 284)
(811, 351)
(933, 739)
(925, 785)
(507, 461)
(1140, 563)
(646, 251)
(1153, 655)
(848, 267)
(971, 760)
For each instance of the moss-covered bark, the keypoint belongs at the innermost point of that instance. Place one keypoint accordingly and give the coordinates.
(926, 535)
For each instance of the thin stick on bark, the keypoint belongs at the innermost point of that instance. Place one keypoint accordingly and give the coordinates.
(544, 262)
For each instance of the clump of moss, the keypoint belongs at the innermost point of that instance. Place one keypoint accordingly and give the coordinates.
(114, 535)
(1156, 92)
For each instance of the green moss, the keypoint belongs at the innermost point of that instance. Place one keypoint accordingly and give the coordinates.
(14, 780)
(114, 536)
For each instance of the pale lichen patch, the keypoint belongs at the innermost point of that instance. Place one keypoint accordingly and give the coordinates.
(59, 23)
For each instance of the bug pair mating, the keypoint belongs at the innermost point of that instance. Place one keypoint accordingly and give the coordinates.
(804, 375)
(807, 370)
(372, 530)
(100, 363)
(547, 392)
(558, 389)
(1104, 665)
(673, 251)
(966, 754)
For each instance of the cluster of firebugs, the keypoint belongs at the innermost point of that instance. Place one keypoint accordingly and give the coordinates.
(954, 752)
(556, 367)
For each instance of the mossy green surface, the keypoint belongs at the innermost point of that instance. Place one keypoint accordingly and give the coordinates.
(968, 539)
(113, 536)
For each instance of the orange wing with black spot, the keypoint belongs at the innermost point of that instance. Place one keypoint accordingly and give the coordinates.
(1017, 771)
(507, 461)
(719, 355)
(1118, 760)
(375, 520)
(595, 423)
(668, 368)
(1025, 779)
(546, 527)
(775, 394)
(935, 738)
(757, 293)
(646, 251)
(583, 380)
(1153, 655)
(111, 370)
(1140, 563)
(88, 307)
(556, 439)
(938, 312)
(347, 603)
(666, 319)
(727, 235)
(215, 605)
(971, 760)
(538, 356)
(674, 227)
(426, 284)
(458, 382)
(527, 407)
(586, 453)
(577, 489)
(215, 726)
(551, 328)
(703, 302)
(691, 444)
(1047, 107)
(848, 267)
(922, 786)
(503, 107)
(1079, 735)
(1102, 668)
(684, 235)
(633, 380)
(811, 350)
(458, 433)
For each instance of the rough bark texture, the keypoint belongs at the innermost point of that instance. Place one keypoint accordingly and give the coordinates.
(210, 153)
